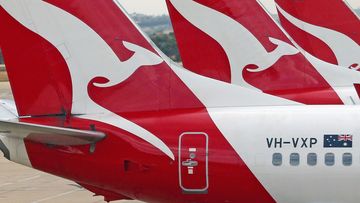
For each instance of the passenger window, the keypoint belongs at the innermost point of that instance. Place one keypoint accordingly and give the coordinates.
(311, 159)
(347, 159)
(294, 159)
(329, 159)
(277, 159)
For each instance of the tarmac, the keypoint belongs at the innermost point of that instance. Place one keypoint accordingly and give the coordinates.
(20, 184)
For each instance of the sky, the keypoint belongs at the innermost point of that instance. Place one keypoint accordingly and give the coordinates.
(158, 7)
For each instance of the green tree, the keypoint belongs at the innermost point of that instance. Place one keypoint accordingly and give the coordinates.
(167, 43)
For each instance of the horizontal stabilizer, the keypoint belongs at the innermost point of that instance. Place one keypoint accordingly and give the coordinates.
(8, 110)
(49, 135)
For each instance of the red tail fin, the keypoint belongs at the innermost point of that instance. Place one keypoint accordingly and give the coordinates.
(327, 29)
(75, 58)
(236, 41)
(38, 74)
(53, 65)
(118, 78)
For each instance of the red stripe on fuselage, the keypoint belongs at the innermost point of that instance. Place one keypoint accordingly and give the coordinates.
(152, 177)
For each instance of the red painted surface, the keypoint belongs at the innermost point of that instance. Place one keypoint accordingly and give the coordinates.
(310, 43)
(153, 98)
(206, 57)
(357, 88)
(37, 71)
(331, 14)
(152, 177)
(292, 77)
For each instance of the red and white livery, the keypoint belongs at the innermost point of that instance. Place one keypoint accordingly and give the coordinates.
(326, 29)
(238, 42)
(98, 104)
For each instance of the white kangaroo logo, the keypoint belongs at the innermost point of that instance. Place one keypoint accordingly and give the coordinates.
(240, 45)
(88, 56)
(346, 50)
(141, 57)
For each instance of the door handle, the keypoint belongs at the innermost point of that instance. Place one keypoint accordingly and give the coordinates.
(190, 163)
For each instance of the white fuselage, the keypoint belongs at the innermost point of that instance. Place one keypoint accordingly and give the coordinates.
(250, 130)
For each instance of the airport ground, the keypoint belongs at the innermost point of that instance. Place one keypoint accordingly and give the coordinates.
(20, 184)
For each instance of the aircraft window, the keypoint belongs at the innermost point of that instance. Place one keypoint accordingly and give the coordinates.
(347, 159)
(311, 159)
(329, 159)
(294, 159)
(277, 159)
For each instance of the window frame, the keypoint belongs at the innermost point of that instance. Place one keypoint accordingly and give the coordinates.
(277, 159)
(344, 160)
(327, 155)
(309, 159)
(292, 162)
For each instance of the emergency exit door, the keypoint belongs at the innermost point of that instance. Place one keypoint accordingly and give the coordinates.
(193, 162)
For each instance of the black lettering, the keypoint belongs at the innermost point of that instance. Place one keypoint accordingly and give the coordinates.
(278, 142)
(295, 142)
(313, 141)
(269, 142)
(304, 143)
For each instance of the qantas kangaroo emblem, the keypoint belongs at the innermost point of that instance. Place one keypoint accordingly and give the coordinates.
(94, 59)
(141, 57)
(240, 45)
(346, 50)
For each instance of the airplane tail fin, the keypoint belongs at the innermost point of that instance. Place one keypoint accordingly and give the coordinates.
(327, 29)
(88, 59)
(37, 72)
(57, 56)
(73, 58)
(238, 42)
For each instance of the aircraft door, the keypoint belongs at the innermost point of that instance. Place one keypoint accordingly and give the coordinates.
(193, 162)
